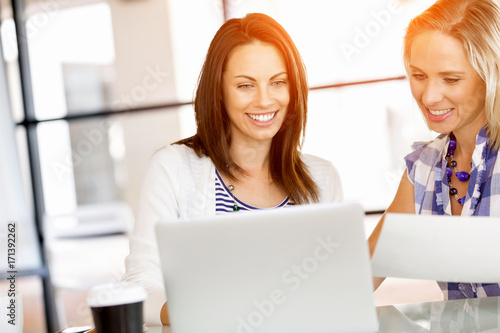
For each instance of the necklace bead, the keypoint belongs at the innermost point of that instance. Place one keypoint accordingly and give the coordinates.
(235, 206)
(230, 187)
(462, 176)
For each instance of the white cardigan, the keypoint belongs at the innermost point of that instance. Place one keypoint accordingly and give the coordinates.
(180, 184)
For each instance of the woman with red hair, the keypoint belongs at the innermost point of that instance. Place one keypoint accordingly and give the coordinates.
(251, 111)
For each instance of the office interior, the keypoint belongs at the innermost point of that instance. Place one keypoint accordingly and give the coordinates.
(90, 89)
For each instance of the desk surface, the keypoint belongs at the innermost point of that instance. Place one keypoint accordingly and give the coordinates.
(470, 315)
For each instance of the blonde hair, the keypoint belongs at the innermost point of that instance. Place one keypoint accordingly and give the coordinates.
(476, 23)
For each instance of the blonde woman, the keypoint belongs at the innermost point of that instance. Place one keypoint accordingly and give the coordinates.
(451, 55)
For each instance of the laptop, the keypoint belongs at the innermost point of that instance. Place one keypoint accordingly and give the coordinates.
(297, 269)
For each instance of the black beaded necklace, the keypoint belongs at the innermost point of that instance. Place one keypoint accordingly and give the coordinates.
(462, 176)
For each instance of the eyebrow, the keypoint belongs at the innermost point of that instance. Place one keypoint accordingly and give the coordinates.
(440, 73)
(253, 79)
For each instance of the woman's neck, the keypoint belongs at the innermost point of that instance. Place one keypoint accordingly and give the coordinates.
(254, 160)
(466, 142)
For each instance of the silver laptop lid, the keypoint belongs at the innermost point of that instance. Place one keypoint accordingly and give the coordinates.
(296, 269)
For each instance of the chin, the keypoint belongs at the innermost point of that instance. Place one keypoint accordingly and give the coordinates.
(440, 129)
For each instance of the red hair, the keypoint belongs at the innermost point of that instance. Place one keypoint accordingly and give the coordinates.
(213, 136)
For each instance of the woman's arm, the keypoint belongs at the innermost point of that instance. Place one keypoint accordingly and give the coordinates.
(403, 202)
(157, 201)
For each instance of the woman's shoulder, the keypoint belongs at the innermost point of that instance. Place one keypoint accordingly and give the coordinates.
(427, 151)
(313, 160)
(326, 176)
(176, 152)
(182, 162)
(318, 166)
(424, 157)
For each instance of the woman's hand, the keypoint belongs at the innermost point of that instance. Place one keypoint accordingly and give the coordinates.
(165, 318)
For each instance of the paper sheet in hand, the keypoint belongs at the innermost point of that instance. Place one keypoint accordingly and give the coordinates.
(442, 248)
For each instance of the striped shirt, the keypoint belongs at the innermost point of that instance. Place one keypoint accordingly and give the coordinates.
(224, 200)
(426, 167)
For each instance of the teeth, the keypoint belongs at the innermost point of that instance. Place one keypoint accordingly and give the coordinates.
(439, 112)
(262, 117)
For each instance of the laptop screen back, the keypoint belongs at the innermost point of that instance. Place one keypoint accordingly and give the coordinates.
(296, 269)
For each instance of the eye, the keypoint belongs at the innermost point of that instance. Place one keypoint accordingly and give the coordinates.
(451, 80)
(278, 83)
(245, 86)
(418, 76)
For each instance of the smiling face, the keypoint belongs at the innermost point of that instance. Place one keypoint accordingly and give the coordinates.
(255, 93)
(447, 88)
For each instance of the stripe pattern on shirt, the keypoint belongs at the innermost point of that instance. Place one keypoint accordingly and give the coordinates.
(224, 201)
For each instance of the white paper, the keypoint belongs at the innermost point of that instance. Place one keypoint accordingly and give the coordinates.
(442, 248)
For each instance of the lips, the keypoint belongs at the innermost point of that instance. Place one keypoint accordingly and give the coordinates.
(439, 114)
(262, 117)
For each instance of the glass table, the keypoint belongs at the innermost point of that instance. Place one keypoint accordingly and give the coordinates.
(468, 315)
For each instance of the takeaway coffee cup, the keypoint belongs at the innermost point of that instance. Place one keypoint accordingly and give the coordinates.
(117, 307)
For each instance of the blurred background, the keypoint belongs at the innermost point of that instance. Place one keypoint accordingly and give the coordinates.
(90, 89)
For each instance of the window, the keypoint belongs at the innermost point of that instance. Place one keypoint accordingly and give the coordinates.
(113, 82)
(123, 61)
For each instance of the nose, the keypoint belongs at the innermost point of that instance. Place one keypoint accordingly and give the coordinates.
(432, 94)
(264, 97)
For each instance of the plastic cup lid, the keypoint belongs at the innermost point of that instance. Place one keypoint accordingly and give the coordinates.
(81, 329)
(115, 294)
